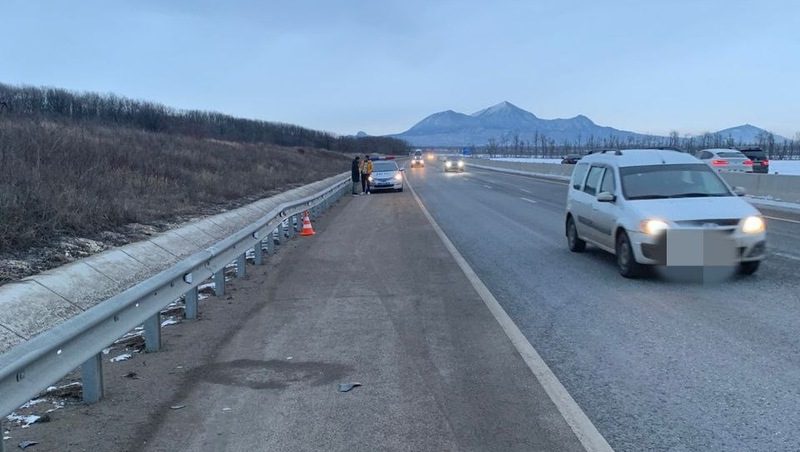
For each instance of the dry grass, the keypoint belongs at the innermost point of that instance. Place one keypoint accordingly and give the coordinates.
(72, 180)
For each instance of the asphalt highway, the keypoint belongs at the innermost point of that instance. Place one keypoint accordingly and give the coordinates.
(654, 363)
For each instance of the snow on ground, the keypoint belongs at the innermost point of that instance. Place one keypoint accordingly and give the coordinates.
(122, 357)
(26, 420)
(791, 167)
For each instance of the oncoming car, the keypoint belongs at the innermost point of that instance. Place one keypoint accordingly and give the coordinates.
(417, 160)
(386, 175)
(453, 164)
(653, 207)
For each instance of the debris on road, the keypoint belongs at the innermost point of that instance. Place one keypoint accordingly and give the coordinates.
(25, 444)
(132, 375)
(177, 407)
(226, 409)
(346, 387)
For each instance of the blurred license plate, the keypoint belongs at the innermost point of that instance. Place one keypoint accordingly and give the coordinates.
(700, 247)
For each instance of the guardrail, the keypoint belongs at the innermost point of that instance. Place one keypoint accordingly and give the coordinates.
(30, 365)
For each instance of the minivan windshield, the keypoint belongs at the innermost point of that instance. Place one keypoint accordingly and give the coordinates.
(671, 181)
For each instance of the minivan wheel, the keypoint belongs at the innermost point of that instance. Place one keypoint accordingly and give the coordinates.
(626, 261)
(748, 268)
(576, 245)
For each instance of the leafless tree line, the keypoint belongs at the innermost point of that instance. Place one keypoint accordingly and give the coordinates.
(540, 145)
(109, 109)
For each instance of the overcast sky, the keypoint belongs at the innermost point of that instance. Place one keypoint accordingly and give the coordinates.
(380, 66)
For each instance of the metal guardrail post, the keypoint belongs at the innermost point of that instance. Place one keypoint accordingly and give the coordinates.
(152, 333)
(278, 235)
(219, 282)
(241, 266)
(292, 231)
(92, 379)
(190, 304)
(269, 244)
(258, 253)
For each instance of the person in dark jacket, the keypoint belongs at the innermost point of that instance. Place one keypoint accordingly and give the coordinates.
(355, 175)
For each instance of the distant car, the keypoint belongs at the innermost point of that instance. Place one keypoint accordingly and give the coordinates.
(759, 158)
(726, 160)
(453, 164)
(417, 160)
(652, 208)
(571, 159)
(386, 175)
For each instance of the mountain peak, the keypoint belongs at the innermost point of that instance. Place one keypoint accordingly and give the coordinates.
(504, 107)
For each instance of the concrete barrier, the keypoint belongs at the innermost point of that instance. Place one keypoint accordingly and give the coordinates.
(774, 186)
(38, 303)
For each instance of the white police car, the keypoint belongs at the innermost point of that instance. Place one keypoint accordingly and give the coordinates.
(386, 175)
(661, 207)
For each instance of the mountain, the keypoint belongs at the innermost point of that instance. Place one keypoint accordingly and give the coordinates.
(747, 134)
(502, 122)
(505, 121)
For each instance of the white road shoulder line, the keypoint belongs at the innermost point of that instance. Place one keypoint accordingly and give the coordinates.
(587, 433)
(528, 200)
(526, 191)
(782, 219)
(488, 186)
(787, 256)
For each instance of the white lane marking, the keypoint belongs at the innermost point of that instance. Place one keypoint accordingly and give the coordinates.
(488, 186)
(783, 219)
(587, 433)
(526, 191)
(787, 256)
(529, 200)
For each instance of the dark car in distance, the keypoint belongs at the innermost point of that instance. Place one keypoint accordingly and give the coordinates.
(759, 158)
(571, 159)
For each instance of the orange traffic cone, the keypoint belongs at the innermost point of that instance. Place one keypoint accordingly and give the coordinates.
(307, 229)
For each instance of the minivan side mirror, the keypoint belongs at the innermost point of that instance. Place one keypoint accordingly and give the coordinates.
(606, 197)
(739, 191)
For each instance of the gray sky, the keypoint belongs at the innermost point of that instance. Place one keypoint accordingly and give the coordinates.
(380, 66)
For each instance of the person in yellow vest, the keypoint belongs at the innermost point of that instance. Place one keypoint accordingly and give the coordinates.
(366, 171)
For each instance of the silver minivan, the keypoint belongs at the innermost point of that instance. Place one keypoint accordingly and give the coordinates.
(656, 207)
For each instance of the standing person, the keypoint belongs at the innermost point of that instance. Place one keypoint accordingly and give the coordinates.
(366, 170)
(355, 174)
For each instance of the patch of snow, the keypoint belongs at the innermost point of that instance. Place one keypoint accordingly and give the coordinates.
(122, 357)
(26, 421)
(788, 167)
(33, 402)
(169, 322)
(202, 287)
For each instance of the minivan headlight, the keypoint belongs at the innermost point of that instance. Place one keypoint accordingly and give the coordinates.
(448, 164)
(753, 225)
(398, 176)
(460, 163)
(653, 227)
